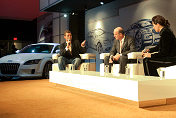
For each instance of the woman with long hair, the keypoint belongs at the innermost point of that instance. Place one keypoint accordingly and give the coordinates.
(165, 51)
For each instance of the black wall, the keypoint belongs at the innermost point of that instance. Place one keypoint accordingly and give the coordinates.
(77, 26)
(23, 30)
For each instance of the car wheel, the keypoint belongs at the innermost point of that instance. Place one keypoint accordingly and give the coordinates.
(47, 68)
(99, 48)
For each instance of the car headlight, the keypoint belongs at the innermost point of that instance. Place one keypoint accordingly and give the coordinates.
(35, 61)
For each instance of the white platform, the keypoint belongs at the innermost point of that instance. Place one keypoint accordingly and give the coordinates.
(83, 66)
(169, 72)
(103, 55)
(134, 55)
(139, 88)
(134, 69)
(131, 55)
(83, 56)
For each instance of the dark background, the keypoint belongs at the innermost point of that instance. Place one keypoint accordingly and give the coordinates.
(25, 31)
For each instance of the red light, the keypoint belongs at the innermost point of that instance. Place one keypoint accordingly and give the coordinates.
(15, 38)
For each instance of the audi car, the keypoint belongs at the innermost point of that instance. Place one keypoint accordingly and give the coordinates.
(34, 60)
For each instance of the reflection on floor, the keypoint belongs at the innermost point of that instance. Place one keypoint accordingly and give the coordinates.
(41, 99)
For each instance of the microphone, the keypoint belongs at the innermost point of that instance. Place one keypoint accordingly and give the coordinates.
(68, 42)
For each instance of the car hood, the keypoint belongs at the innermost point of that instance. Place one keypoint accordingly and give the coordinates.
(23, 57)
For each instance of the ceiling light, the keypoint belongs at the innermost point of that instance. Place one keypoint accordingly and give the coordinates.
(65, 15)
(102, 3)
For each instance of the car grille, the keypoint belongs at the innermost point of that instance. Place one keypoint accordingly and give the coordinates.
(9, 68)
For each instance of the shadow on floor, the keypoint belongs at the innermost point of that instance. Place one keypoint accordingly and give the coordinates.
(170, 107)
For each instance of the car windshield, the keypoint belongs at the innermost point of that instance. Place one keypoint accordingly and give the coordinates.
(37, 49)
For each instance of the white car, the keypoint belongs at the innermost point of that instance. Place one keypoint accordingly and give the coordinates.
(34, 60)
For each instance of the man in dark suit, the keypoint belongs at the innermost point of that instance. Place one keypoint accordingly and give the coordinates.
(122, 46)
(69, 51)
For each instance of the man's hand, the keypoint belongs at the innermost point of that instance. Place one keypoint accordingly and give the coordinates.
(83, 43)
(116, 57)
(111, 59)
(69, 44)
(144, 55)
(145, 50)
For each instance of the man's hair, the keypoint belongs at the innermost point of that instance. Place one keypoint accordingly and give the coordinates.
(67, 31)
(121, 31)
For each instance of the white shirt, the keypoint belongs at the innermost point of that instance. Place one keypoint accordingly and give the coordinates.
(67, 48)
(121, 44)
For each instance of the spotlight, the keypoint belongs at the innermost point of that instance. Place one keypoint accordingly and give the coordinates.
(73, 13)
(65, 15)
(102, 3)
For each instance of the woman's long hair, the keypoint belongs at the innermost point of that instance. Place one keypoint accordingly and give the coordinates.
(160, 20)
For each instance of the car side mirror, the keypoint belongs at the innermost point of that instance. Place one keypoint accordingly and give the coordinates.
(57, 51)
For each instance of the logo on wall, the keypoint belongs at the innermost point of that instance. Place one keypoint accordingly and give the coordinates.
(143, 33)
(99, 40)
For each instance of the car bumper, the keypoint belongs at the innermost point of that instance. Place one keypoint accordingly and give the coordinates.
(25, 71)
